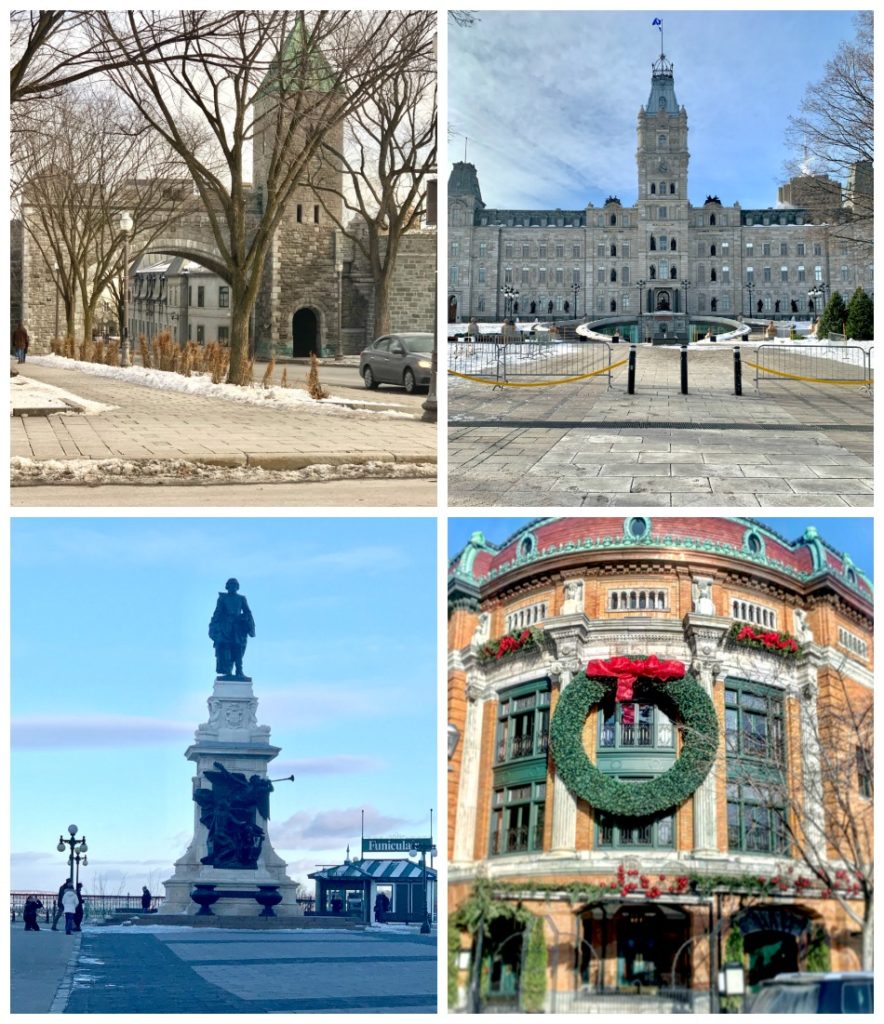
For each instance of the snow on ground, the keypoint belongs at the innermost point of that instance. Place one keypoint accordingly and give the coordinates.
(484, 328)
(179, 471)
(200, 384)
(33, 392)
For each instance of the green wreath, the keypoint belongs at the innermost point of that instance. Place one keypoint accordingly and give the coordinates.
(683, 697)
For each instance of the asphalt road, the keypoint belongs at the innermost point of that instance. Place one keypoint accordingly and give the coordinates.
(356, 493)
(345, 381)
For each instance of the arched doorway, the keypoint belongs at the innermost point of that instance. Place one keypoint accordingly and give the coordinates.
(452, 309)
(305, 333)
(771, 939)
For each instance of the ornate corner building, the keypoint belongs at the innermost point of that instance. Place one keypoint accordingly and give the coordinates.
(589, 811)
(662, 258)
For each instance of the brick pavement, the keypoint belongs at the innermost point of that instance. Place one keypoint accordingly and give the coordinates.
(179, 970)
(790, 444)
(148, 423)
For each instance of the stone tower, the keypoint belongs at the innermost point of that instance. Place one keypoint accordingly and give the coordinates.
(662, 161)
(299, 303)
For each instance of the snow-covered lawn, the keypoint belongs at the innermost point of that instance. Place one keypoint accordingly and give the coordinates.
(274, 397)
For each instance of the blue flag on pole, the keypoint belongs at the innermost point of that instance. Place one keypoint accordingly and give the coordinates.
(658, 22)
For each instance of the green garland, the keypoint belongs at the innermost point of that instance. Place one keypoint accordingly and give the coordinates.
(776, 642)
(690, 705)
(529, 638)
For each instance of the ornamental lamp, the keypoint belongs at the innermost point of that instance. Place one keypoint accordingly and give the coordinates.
(72, 830)
(60, 846)
(731, 979)
(83, 847)
(126, 222)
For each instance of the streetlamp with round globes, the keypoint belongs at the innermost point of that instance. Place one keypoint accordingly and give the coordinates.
(77, 855)
(55, 270)
(126, 225)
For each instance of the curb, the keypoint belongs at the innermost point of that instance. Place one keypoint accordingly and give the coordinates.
(63, 993)
(269, 460)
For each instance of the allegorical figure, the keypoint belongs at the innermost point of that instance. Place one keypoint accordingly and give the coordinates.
(228, 812)
(231, 626)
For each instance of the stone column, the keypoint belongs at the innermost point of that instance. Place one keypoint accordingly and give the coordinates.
(705, 635)
(468, 794)
(813, 818)
(564, 817)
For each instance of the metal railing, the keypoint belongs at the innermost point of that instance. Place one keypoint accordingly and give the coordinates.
(528, 358)
(94, 906)
(642, 999)
(815, 364)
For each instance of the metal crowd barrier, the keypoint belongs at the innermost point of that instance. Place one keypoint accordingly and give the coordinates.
(528, 360)
(846, 365)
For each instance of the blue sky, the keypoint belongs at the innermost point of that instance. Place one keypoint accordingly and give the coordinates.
(852, 536)
(549, 100)
(112, 666)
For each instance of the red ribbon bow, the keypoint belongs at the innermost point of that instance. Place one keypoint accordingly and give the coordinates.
(627, 672)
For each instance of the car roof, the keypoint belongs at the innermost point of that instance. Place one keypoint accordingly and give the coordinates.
(805, 976)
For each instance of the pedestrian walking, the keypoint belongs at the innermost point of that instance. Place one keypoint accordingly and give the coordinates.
(59, 910)
(32, 905)
(145, 898)
(20, 342)
(472, 334)
(81, 908)
(70, 902)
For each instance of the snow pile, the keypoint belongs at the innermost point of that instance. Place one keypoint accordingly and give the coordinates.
(28, 392)
(95, 472)
(200, 384)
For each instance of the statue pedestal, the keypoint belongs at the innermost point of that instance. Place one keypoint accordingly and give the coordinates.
(233, 738)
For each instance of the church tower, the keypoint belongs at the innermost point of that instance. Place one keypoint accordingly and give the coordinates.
(662, 160)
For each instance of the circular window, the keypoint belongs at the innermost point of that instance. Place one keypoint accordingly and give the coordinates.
(753, 543)
(526, 546)
(638, 527)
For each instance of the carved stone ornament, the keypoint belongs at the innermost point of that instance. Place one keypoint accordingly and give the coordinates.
(573, 604)
(701, 594)
(483, 629)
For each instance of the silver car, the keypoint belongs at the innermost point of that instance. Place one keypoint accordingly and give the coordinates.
(403, 359)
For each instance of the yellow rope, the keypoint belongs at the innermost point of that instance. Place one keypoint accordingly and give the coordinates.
(537, 384)
(809, 380)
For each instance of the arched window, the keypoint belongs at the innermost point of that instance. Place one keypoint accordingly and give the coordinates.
(713, 274)
(642, 600)
(653, 189)
(613, 219)
(672, 272)
(653, 244)
(714, 305)
(672, 188)
(613, 249)
(613, 274)
(614, 602)
(653, 271)
(613, 305)
(712, 219)
(672, 245)
(662, 188)
(711, 250)
(633, 600)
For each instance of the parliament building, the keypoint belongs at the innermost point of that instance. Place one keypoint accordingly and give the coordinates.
(660, 757)
(661, 255)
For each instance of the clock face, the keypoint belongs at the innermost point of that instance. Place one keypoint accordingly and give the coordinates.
(662, 166)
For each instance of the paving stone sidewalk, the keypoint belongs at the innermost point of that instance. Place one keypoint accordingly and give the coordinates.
(147, 423)
(207, 971)
(788, 444)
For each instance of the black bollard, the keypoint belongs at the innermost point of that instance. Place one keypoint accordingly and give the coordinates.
(738, 371)
(630, 378)
(684, 369)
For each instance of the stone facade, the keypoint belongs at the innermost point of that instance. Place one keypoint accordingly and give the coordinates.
(658, 258)
(673, 587)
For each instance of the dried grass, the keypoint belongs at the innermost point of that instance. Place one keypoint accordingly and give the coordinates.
(314, 388)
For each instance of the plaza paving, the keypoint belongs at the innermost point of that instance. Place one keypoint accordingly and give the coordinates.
(788, 444)
(149, 424)
(180, 970)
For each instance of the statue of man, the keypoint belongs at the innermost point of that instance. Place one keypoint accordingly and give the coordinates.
(231, 625)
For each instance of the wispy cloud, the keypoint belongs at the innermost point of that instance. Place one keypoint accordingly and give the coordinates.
(331, 829)
(72, 732)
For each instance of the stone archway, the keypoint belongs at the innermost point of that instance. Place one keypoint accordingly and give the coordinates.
(305, 333)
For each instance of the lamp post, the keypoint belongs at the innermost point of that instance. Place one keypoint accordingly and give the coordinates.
(510, 294)
(126, 227)
(78, 852)
(575, 287)
(749, 287)
(55, 270)
(413, 852)
(339, 270)
(185, 304)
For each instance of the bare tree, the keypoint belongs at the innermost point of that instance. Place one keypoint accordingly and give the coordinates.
(834, 130)
(824, 802)
(90, 158)
(389, 153)
(282, 80)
